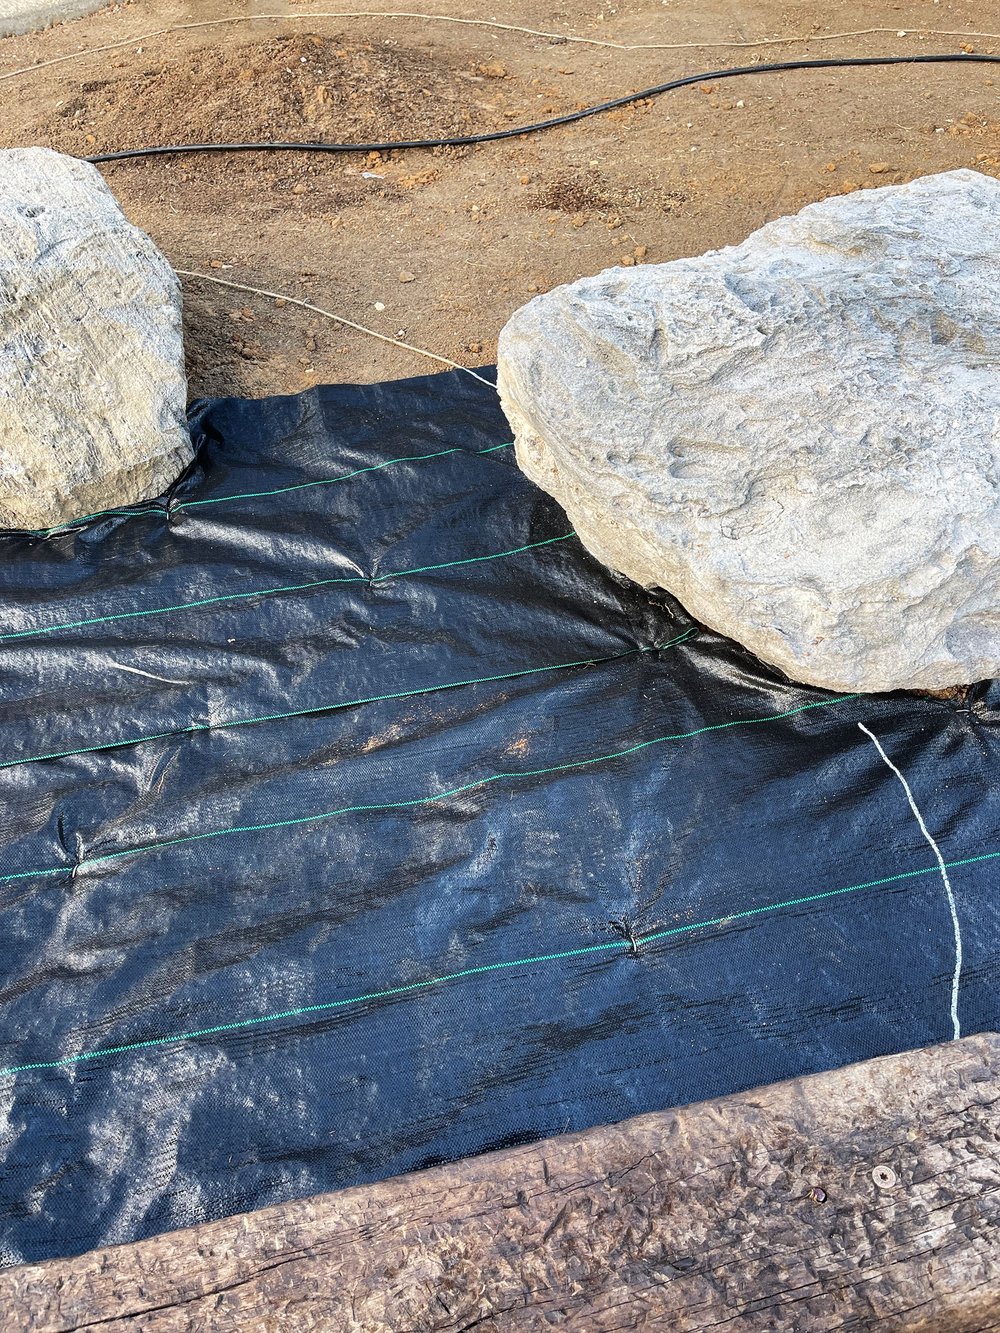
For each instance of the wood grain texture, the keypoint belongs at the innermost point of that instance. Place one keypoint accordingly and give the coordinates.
(759, 1211)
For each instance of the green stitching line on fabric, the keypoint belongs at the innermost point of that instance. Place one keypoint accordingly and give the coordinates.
(347, 703)
(256, 495)
(292, 587)
(811, 898)
(393, 991)
(346, 476)
(378, 807)
(314, 1008)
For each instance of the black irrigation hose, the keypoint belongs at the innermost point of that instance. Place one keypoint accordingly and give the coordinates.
(462, 141)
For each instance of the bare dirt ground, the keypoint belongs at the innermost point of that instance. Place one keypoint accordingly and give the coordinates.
(438, 247)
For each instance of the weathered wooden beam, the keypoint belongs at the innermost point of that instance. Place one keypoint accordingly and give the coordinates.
(867, 1198)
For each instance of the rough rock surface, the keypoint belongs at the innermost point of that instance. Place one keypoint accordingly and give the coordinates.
(92, 384)
(799, 436)
(27, 15)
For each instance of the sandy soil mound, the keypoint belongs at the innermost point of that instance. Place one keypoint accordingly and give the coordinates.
(302, 86)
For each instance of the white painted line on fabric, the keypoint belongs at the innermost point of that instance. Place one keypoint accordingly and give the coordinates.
(166, 680)
(956, 977)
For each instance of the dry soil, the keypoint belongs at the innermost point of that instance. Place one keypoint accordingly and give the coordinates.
(438, 247)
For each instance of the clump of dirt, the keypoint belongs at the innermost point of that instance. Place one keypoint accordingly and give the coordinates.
(590, 191)
(301, 86)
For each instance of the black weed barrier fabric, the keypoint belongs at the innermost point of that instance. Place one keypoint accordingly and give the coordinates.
(356, 819)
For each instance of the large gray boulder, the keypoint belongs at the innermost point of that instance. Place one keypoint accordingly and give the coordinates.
(27, 15)
(92, 384)
(798, 436)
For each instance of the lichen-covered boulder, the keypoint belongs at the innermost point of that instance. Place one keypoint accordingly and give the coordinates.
(92, 384)
(798, 436)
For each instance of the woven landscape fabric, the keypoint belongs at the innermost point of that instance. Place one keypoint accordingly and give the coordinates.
(355, 819)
